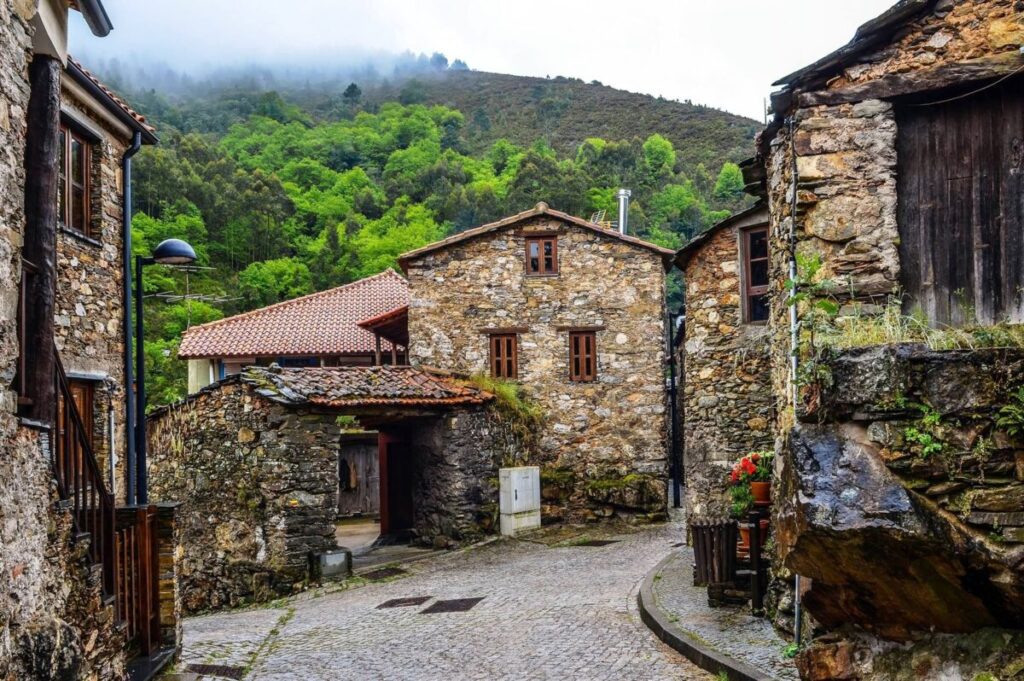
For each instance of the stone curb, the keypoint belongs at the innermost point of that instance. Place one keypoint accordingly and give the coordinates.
(689, 646)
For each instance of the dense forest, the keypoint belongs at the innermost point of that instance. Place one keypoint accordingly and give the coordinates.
(285, 192)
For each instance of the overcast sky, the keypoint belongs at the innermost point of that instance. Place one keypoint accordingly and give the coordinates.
(724, 53)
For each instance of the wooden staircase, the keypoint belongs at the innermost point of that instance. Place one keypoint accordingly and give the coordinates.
(122, 541)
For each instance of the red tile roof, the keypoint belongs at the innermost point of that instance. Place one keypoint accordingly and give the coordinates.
(113, 97)
(340, 387)
(324, 323)
(540, 209)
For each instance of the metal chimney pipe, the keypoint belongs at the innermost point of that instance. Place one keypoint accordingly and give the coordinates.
(623, 195)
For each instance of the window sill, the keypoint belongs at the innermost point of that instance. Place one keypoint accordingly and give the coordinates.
(78, 236)
(553, 275)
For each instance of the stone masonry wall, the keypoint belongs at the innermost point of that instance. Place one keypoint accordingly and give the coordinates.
(53, 623)
(89, 314)
(456, 495)
(726, 396)
(257, 482)
(604, 442)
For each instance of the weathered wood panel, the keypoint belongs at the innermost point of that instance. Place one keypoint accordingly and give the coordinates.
(961, 206)
(358, 477)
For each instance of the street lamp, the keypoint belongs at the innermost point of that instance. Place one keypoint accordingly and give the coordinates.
(169, 252)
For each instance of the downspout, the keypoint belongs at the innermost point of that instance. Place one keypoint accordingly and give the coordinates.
(126, 261)
(794, 340)
(673, 392)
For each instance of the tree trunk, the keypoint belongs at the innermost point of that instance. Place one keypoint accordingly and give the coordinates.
(41, 179)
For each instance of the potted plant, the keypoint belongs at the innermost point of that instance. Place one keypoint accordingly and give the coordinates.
(750, 486)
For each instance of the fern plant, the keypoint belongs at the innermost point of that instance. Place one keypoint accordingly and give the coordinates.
(1011, 416)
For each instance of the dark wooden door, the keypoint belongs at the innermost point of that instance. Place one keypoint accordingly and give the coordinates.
(358, 477)
(961, 206)
(397, 479)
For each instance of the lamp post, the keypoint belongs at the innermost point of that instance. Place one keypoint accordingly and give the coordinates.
(169, 252)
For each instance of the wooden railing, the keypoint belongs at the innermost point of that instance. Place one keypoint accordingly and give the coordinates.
(80, 481)
(138, 593)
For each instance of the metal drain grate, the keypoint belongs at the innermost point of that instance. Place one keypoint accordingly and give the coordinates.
(454, 605)
(383, 573)
(598, 542)
(404, 602)
(221, 670)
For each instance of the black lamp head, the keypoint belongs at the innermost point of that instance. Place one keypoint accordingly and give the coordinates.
(174, 252)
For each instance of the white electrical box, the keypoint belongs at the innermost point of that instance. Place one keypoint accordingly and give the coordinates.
(519, 498)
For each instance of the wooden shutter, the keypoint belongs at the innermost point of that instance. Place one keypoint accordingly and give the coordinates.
(961, 206)
(582, 356)
(755, 274)
(504, 356)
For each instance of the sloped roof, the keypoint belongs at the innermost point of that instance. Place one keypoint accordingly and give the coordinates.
(340, 387)
(118, 106)
(756, 214)
(324, 323)
(868, 36)
(540, 209)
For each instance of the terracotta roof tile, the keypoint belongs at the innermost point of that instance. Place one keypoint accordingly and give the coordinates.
(324, 323)
(114, 97)
(339, 387)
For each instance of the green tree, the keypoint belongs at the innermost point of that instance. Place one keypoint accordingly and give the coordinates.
(271, 281)
(659, 154)
(729, 185)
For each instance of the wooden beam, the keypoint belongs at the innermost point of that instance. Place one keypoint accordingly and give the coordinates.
(916, 82)
(376, 351)
(40, 244)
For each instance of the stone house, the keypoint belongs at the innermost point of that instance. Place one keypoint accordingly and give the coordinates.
(258, 453)
(575, 314)
(894, 180)
(66, 546)
(725, 403)
(342, 326)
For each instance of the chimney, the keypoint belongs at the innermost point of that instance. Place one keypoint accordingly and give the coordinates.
(623, 195)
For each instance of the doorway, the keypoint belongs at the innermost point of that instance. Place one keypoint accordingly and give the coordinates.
(397, 481)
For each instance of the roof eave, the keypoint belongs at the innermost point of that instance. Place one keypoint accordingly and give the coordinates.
(89, 85)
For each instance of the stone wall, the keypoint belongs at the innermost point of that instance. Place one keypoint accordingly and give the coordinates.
(89, 313)
(604, 444)
(904, 498)
(257, 482)
(456, 461)
(726, 400)
(53, 623)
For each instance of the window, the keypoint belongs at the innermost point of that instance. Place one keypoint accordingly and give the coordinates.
(755, 274)
(541, 255)
(504, 356)
(582, 356)
(73, 192)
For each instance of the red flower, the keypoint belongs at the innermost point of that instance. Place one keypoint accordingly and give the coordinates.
(748, 466)
(735, 475)
(755, 457)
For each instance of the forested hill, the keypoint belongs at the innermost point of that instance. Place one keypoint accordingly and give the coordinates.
(302, 188)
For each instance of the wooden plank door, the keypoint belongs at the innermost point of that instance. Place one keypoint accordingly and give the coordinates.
(961, 206)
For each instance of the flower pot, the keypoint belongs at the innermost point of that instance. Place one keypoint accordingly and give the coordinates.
(744, 543)
(762, 492)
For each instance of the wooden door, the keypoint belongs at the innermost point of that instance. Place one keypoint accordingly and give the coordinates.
(359, 477)
(961, 206)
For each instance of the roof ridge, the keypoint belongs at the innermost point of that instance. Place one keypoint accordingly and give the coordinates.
(541, 208)
(291, 301)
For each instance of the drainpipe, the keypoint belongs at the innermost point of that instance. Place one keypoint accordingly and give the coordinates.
(126, 257)
(794, 341)
(673, 392)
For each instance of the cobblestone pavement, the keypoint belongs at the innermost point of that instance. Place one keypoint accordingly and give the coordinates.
(546, 613)
(730, 631)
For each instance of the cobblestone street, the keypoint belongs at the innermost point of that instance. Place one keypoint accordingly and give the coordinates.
(563, 612)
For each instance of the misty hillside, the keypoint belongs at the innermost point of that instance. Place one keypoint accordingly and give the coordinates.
(566, 111)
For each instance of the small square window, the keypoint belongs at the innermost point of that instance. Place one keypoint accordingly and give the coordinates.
(541, 255)
(582, 356)
(504, 356)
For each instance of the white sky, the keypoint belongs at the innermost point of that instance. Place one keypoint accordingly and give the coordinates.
(724, 53)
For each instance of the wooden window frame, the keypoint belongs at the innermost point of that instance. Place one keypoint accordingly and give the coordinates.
(749, 291)
(579, 355)
(544, 269)
(66, 190)
(503, 355)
